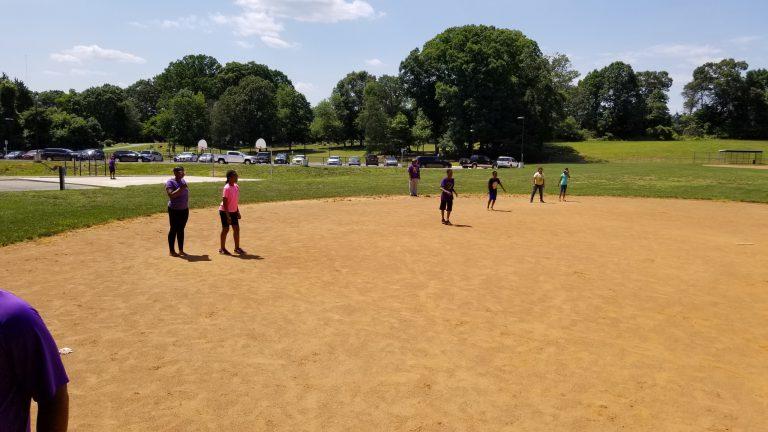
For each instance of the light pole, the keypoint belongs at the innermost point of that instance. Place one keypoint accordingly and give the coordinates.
(10, 122)
(522, 143)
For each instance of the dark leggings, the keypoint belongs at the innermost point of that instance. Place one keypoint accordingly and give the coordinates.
(178, 220)
(539, 188)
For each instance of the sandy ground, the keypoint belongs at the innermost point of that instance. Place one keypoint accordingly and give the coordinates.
(604, 314)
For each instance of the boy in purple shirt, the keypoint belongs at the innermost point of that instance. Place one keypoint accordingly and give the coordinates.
(30, 368)
(414, 175)
(446, 197)
(178, 210)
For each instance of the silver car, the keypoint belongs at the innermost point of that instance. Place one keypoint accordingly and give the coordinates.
(334, 161)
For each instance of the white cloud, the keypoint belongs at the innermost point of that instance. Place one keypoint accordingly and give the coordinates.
(81, 53)
(374, 62)
(86, 72)
(52, 73)
(264, 18)
(681, 53)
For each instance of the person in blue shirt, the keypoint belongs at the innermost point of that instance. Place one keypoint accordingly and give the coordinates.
(564, 178)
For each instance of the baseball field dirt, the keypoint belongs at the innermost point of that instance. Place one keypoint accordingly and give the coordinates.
(600, 314)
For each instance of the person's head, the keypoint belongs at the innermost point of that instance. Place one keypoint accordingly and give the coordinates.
(178, 172)
(566, 171)
(495, 174)
(231, 176)
(449, 173)
(541, 170)
(415, 162)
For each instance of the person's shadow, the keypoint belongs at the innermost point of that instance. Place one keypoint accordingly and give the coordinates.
(249, 257)
(195, 258)
(461, 226)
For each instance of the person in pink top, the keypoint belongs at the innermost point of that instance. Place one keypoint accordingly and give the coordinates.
(230, 213)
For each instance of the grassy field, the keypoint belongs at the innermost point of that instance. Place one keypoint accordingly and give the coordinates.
(29, 215)
(673, 151)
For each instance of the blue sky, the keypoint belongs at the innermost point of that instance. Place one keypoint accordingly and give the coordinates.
(80, 43)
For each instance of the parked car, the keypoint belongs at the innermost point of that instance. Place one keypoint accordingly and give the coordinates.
(263, 158)
(30, 155)
(477, 161)
(14, 155)
(281, 159)
(334, 161)
(91, 154)
(152, 155)
(185, 157)
(206, 158)
(354, 161)
(235, 157)
(127, 156)
(391, 161)
(432, 162)
(371, 159)
(298, 160)
(57, 154)
(506, 162)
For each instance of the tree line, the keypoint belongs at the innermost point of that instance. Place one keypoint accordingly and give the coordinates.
(468, 86)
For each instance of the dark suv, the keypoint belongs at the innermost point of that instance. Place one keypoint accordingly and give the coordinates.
(432, 162)
(129, 156)
(477, 161)
(57, 154)
(262, 158)
(91, 154)
(371, 159)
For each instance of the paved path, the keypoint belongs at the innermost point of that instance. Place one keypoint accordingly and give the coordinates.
(17, 184)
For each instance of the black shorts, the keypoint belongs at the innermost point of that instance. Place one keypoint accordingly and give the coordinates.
(563, 188)
(492, 194)
(225, 223)
(446, 204)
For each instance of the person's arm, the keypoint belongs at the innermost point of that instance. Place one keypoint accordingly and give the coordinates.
(173, 193)
(454, 192)
(53, 415)
(224, 205)
(502, 187)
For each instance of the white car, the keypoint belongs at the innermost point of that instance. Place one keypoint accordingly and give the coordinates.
(185, 157)
(506, 162)
(390, 161)
(334, 160)
(235, 157)
(298, 160)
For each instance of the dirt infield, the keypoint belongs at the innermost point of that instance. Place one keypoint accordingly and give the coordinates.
(367, 314)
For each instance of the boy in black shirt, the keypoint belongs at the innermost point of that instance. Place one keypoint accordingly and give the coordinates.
(493, 183)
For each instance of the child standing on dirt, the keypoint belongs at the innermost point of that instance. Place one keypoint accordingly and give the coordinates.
(112, 167)
(229, 212)
(564, 178)
(447, 186)
(493, 183)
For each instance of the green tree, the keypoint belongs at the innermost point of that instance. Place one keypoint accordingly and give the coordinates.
(294, 116)
(110, 106)
(400, 132)
(144, 95)
(37, 124)
(74, 132)
(717, 97)
(245, 113)
(196, 73)
(373, 119)
(473, 82)
(234, 72)
(10, 126)
(326, 125)
(348, 99)
(608, 101)
(422, 129)
(50, 98)
(654, 86)
(183, 119)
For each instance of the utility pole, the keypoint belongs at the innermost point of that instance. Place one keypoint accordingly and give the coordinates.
(522, 144)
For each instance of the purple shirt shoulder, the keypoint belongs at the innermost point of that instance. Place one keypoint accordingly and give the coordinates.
(447, 184)
(30, 363)
(180, 201)
(414, 172)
